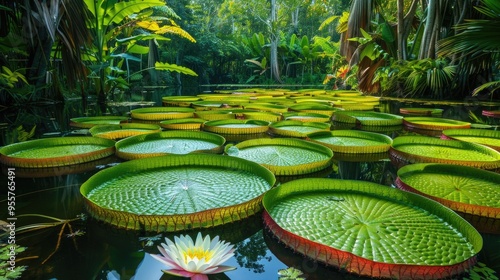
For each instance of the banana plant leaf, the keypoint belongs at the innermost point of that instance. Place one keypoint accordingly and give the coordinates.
(182, 124)
(179, 101)
(88, 122)
(421, 111)
(367, 118)
(169, 142)
(50, 152)
(283, 156)
(370, 229)
(352, 141)
(297, 128)
(177, 192)
(423, 149)
(121, 131)
(161, 113)
(473, 193)
(432, 123)
(236, 126)
(306, 117)
(490, 138)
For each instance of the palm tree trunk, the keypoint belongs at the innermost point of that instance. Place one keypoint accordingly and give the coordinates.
(275, 71)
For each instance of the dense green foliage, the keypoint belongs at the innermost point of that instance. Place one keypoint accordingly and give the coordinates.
(103, 47)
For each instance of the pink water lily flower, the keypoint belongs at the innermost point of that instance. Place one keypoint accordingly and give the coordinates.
(195, 259)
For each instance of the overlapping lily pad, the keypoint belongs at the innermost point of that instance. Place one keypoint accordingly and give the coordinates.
(50, 152)
(306, 117)
(432, 123)
(161, 113)
(474, 193)
(367, 118)
(283, 156)
(421, 111)
(370, 229)
(423, 149)
(169, 142)
(177, 192)
(121, 131)
(88, 122)
(297, 128)
(490, 138)
(352, 141)
(183, 124)
(236, 126)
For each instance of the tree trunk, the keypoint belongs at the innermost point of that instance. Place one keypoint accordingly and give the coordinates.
(275, 71)
(401, 31)
(428, 30)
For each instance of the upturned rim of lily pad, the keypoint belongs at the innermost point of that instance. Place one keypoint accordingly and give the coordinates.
(463, 189)
(60, 151)
(222, 212)
(174, 135)
(434, 123)
(446, 151)
(277, 128)
(306, 117)
(349, 141)
(487, 137)
(299, 198)
(161, 113)
(365, 118)
(236, 126)
(183, 124)
(88, 122)
(289, 169)
(120, 131)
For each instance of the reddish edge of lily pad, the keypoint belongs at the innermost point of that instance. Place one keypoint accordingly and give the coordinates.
(492, 114)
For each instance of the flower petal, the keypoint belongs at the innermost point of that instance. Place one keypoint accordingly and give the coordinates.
(199, 277)
(178, 272)
(219, 269)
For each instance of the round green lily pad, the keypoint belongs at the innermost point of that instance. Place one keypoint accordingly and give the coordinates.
(421, 111)
(179, 101)
(314, 107)
(367, 118)
(50, 152)
(263, 116)
(306, 117)
(177, 192)
(236, 126)
(121, 131)
(473, 192)
(169, 142)
(352, 141)
(266, 107)
(283, 156)
(183, 124)
(490, 138)
(297, 128)
(88, 122)
(371, 229)
(423, 149)
(161, 113)
(432, 123)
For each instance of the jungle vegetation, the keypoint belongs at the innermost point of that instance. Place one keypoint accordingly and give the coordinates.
(441, 49)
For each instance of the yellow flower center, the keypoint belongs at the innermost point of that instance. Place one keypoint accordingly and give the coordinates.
(199, 253)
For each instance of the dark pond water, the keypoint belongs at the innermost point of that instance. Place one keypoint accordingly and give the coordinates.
(86, 249)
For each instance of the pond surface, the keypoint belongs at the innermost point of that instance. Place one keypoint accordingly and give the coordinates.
(88, 249)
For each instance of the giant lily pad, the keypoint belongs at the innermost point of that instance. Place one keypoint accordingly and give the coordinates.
(370, 229)
(169, 142)
(236, 126)
(179, 101)
(473, 193)
(432, 123)
(161, 113)
(177, 192)
(306, 117)
(183, 124)
(367, 118)
(50, 152)
(283, 156)
(490, 138)
(424, 149)
(352, 141)
(421, 111)
(314, 108)
(88, 122)
(297, 128)
(120, 131)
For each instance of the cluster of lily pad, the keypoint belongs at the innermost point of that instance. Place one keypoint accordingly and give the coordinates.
(212, 159)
